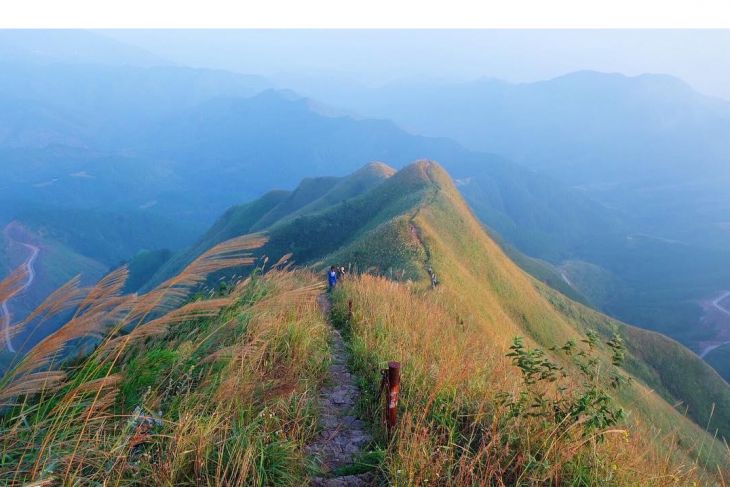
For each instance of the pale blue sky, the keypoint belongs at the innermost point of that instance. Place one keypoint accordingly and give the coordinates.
(700, 57)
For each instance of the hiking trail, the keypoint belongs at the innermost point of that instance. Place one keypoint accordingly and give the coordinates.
(343, 436)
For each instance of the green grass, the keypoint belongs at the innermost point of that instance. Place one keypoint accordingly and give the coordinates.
(143, 266)
(719, 359)
(145, 371)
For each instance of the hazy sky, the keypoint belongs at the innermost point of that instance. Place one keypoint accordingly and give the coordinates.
(700, 57)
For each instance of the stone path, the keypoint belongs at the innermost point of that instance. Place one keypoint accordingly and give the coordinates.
(343, 435)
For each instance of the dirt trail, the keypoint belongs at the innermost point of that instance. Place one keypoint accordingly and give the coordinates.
(343, 436)
(30, 272)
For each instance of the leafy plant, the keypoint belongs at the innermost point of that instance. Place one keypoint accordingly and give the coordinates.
(587, 409)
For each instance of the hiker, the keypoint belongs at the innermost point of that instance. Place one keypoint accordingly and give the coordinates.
(331, 278)
(340, 273)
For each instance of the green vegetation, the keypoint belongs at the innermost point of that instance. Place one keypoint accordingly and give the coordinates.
(291, 214)
(384, 232)
(105, 236)
(143, 266)
(719, 359)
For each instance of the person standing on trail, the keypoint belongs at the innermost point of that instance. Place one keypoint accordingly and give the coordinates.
(331, 278)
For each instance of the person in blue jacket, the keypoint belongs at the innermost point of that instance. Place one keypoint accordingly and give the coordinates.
(332, 278)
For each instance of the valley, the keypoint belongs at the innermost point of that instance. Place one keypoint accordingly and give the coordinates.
(717, 317)
(29, 268)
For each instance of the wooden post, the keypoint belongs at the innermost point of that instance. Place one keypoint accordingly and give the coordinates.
(349, 309)
(391, 403)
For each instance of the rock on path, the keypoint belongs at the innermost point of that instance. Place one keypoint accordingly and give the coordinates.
(343, 435)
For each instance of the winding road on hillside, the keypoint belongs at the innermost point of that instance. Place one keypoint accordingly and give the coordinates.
(30, 272)
(716, 304)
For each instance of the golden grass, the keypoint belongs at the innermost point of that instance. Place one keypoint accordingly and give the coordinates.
(237, 400)
(102, 308)
(453, 431)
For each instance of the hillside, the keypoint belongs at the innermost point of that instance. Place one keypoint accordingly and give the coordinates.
(108, 237)
(719, 358)
(281, 208)
(82, 242)
(374, 232)
(235, 376)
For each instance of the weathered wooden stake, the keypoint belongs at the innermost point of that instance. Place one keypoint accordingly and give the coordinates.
(349, 309)
(391, 403)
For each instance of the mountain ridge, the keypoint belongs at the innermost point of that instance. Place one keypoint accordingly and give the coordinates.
(384, 231)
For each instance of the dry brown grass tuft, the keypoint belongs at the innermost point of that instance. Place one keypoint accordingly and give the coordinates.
(13, 283)
(31, 384)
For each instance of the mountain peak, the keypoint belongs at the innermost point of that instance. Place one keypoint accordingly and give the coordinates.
(377, 168)
(428, 171)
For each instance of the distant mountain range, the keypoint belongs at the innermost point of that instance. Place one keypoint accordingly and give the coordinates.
(148, 141)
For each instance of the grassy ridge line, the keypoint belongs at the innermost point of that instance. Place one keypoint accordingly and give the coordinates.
(372, 231)
(452, 431)
(235, 221)
(514, 304)
(308, 190)
(486, 301)
(321, 203)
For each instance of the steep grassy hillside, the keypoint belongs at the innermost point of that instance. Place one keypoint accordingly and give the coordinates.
(318, 207)
(719, 358)
(330, 192)
(455, 338)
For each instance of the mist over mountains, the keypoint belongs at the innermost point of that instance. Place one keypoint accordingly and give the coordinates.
(610, 188)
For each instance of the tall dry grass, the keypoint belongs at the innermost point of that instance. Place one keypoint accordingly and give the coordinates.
(230, 381)
(454, 431)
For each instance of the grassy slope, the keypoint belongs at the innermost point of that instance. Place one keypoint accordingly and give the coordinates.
(483, 290)
(346, 188)
(238, 220)
(374, 231)
(719, 358)
(697, 384)
(236, 395)
(309, 189)
(315, 219)
(236, 391)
